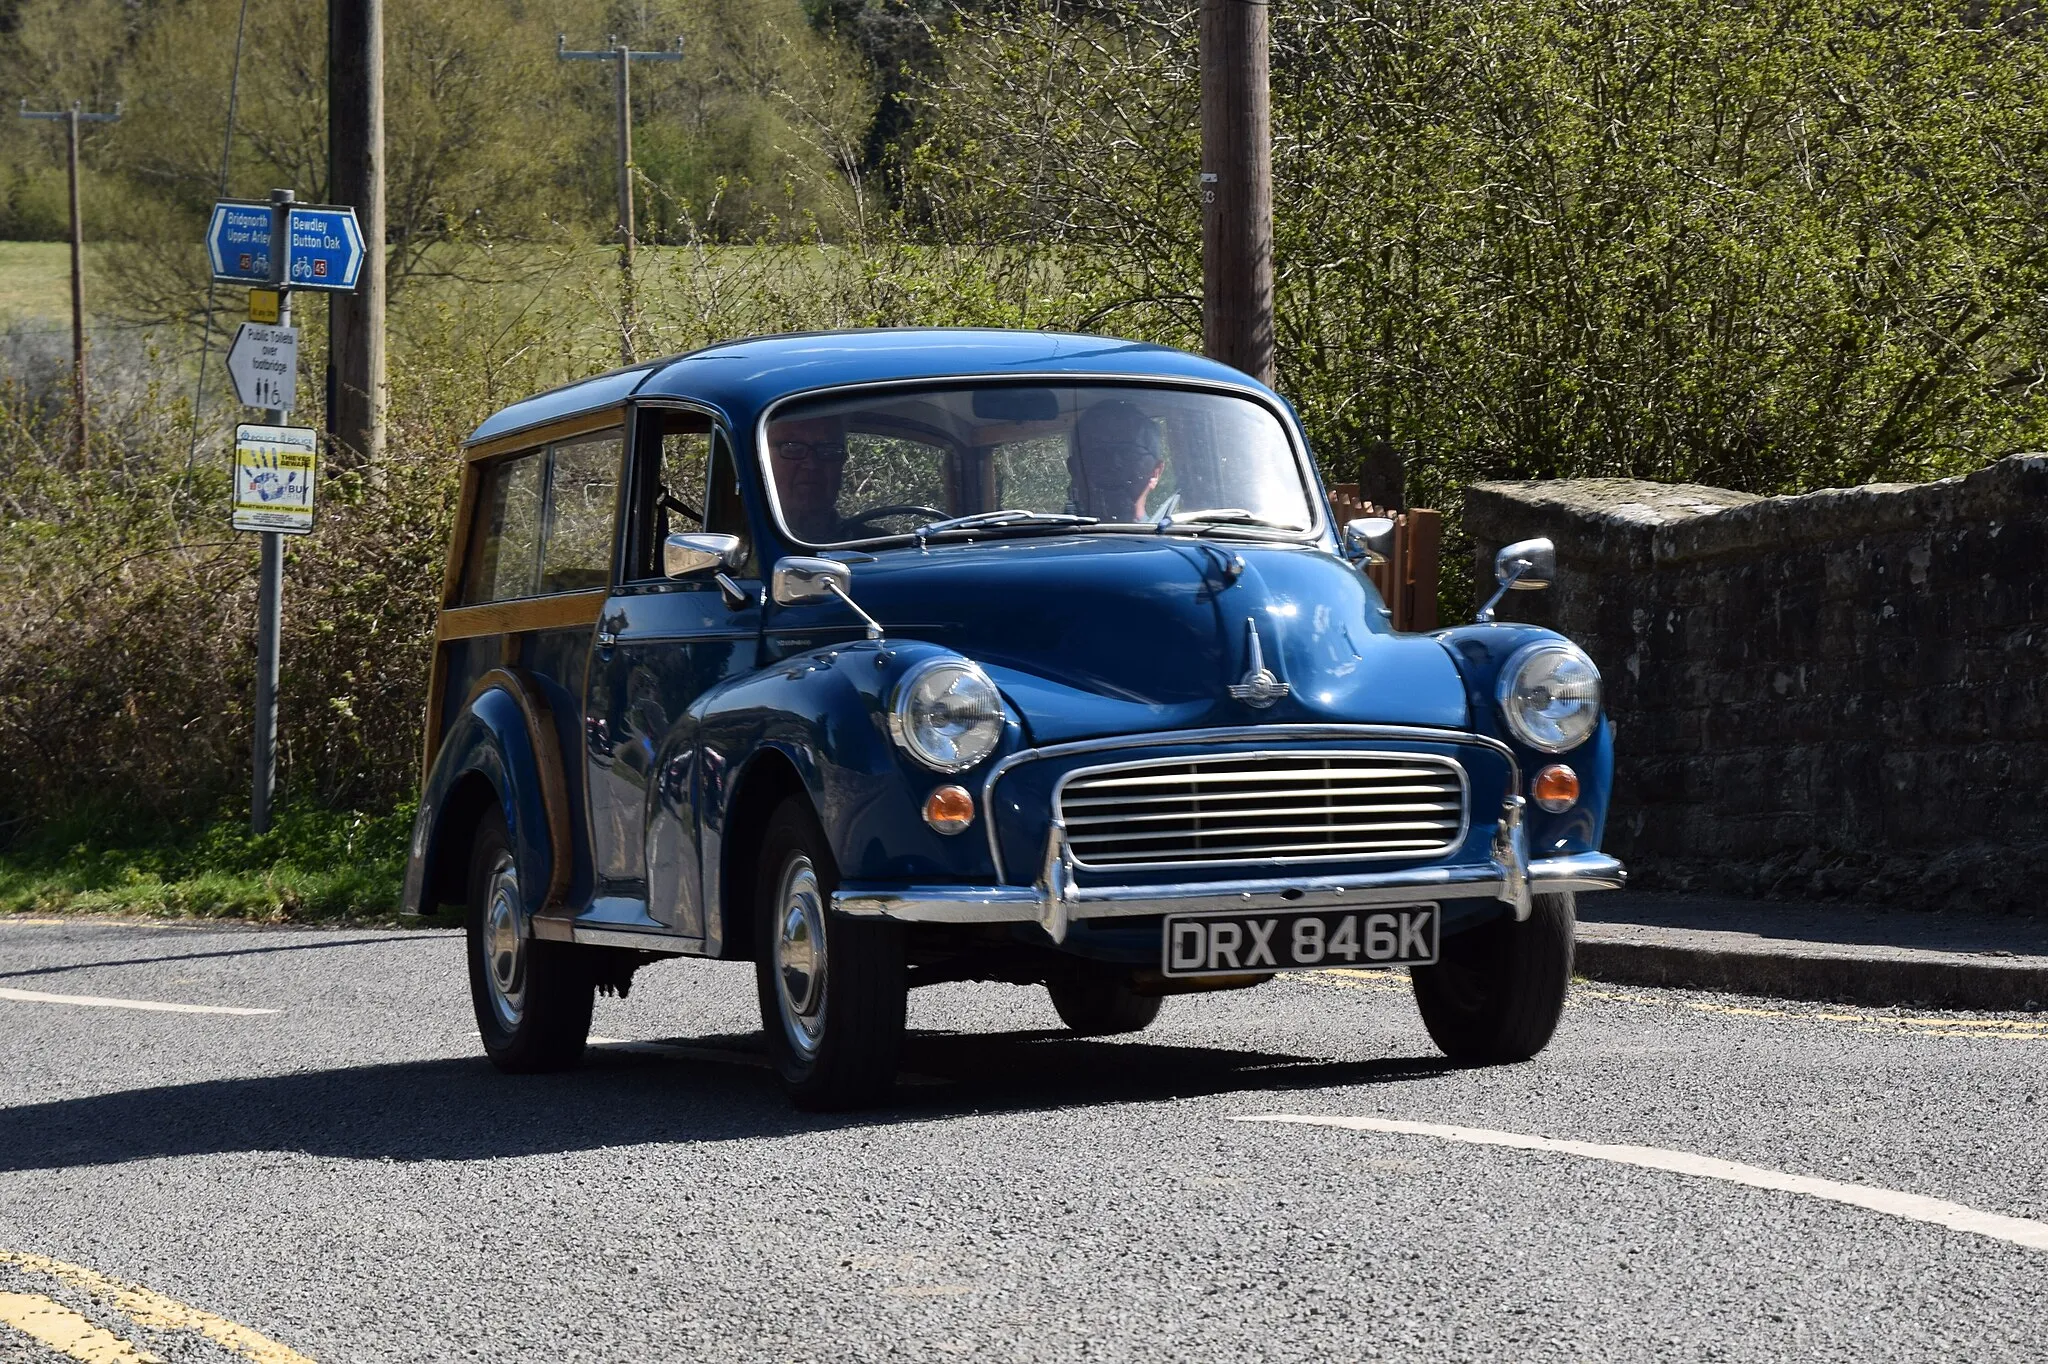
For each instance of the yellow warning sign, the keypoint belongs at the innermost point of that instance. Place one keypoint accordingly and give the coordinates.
(263, 306)
(274, 468)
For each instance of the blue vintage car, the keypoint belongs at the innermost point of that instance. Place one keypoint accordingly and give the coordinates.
(879, 659)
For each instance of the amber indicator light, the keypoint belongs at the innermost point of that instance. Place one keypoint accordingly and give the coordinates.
(1556, 788)
(950, 809)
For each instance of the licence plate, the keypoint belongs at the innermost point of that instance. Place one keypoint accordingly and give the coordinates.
(1308, 940)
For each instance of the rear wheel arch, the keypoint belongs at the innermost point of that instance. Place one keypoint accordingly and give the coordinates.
(461, 814)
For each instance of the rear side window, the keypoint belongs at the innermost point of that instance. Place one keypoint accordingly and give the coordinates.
(544, 521)
(583, 494)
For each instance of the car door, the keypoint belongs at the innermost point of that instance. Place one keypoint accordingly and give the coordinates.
(660, 644)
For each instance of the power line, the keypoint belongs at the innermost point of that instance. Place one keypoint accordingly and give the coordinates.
(227, 141)
(624, 56)
(71, 118)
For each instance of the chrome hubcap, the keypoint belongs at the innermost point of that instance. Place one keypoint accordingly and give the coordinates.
(504, 949)
(800, 957)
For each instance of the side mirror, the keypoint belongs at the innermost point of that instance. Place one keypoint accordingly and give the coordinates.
(799, 579)
(693, 552)
(1372, 536)
(1524, 566)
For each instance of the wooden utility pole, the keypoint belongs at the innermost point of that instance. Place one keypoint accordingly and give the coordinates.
(624, 56)
(71, 118)
(356, 383)
(1237, 187)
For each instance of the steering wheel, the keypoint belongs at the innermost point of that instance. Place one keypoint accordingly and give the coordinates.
(894, 509)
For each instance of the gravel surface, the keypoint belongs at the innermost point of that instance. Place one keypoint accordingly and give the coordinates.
(349, 1177)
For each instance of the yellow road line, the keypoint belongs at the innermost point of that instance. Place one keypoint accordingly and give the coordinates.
(157, 1312)
(68, 1333)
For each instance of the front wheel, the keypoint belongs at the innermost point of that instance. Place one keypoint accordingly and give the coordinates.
(1497, 991)
(1102, 1005)
(532, 999)
(833, 989)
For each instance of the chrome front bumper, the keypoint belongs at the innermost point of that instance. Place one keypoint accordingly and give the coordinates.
(1055, 901)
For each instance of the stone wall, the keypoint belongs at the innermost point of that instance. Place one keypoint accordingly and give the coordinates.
(1837, 695)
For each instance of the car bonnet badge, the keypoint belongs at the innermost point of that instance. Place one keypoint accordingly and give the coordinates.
(1259, 688)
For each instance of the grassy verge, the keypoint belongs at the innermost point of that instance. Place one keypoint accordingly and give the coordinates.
(313, 866)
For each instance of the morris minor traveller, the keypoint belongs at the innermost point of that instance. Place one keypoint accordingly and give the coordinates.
(881, 659)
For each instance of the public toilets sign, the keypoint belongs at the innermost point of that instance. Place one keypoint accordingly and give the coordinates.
(323, 245)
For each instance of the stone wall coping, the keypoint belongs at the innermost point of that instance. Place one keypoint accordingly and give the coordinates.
(1637, 520)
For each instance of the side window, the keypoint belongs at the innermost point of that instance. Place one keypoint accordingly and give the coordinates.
(725, 510)
(583, 489)
(685, 480)
(543, 521)
(504, 545)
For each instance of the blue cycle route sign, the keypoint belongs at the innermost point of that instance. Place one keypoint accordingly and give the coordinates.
(238, 242)
(323, 246)
(326, 248)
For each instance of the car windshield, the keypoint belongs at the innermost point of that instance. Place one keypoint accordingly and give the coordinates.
(884, 463)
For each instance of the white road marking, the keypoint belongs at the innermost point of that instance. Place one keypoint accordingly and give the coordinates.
(2019, 1231)
(101, 1002)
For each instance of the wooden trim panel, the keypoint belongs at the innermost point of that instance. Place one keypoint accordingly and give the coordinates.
(535, 436)
(563, 611)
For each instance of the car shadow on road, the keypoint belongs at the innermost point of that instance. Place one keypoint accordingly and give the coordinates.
(700, 1089)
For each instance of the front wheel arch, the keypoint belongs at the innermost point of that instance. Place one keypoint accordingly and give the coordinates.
(764, 784)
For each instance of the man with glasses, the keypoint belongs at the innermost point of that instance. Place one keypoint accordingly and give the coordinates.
(808, 455)
(1118, 456)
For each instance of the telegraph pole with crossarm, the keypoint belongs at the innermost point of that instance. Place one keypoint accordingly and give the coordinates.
(71, 118)
(624, 56)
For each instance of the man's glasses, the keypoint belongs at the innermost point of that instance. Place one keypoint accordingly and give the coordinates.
(813, 451)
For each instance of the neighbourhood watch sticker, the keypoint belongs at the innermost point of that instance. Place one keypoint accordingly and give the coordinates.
(274, 478)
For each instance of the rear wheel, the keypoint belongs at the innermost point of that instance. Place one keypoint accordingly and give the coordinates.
(532, 999)
(1497, 991)
(832, 988)
(1100, 1005)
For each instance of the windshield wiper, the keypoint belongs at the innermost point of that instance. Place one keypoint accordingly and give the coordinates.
(1221, 518)
(1009, 516)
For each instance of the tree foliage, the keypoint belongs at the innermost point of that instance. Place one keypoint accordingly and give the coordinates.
(1771, 245)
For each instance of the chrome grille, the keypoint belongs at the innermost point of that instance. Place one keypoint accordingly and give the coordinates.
(1263, 807)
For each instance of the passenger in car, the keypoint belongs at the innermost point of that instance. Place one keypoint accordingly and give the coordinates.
(808, 455)
(1118, 455)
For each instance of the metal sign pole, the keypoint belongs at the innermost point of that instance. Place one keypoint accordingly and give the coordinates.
(270, 569)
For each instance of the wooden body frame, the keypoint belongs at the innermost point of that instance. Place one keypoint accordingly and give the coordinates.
(562, 610)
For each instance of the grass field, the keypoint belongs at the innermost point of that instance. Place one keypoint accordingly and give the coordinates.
(35, 281)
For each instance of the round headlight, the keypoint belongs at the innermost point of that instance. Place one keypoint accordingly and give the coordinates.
(947, 714)
(1550, 695)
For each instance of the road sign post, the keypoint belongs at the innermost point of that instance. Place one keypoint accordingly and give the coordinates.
(275, 246)
(270, 565)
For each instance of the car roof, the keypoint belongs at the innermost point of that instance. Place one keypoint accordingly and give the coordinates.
(739, 378)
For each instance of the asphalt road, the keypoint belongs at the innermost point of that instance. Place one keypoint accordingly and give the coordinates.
(346, 1179)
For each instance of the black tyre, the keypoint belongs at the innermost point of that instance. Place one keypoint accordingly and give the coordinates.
(1497, 991)
(532, 998)
(832, 988)
(1100, 1004)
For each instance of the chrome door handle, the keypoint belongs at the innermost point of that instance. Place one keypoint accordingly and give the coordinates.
(606, 638)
